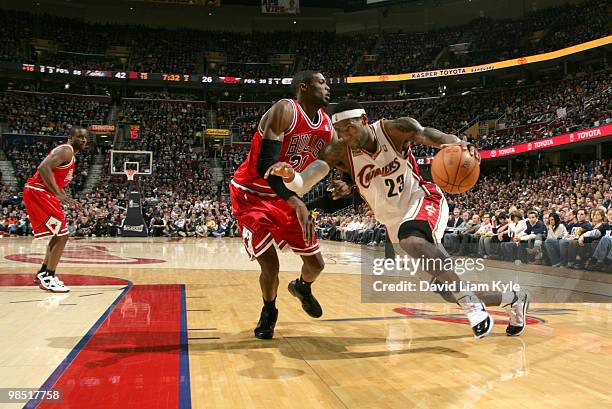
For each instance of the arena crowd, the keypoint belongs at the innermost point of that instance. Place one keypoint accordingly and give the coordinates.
(84, 45)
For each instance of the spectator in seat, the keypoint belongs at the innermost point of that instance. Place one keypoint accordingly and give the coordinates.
(607, 202)
(584, 250)
(3, 224)
(452, 234)
(469, 239)
(230, 229)
(321, 227)
(568, 244)
(190, 226)
(201, 229)
(100, 228)
(601, 260)
(500, 235)
(516, 230)
(211, 225)
(533, 238)
(555, 232)
(181, 225)
(84, 227)
(352, 229)
(454, 219)
(170, 228)
(157, 226)
(485, 232)
(368, 231)
(380, 234)
(23, 227)
(334, 232)
(114, 227)
(221, 229)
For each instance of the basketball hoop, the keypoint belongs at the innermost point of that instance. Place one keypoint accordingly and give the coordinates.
(130, 173)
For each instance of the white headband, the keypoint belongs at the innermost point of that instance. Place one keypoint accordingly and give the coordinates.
(351, 113)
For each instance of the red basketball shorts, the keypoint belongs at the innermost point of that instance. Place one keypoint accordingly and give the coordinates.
(45, 212)
(267, 220)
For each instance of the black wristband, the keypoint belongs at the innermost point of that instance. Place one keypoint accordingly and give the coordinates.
(269, 151)
(277, 184)
(268, 156)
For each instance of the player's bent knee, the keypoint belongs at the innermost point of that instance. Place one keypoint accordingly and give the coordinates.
(314, 264)
(269, 264)
(270, 268)
(416, 246)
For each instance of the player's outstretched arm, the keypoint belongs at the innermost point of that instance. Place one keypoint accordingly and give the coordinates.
(407, 129)
(334, 154)
(59, 157)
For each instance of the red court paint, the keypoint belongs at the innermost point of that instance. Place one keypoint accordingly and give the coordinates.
(132, 360)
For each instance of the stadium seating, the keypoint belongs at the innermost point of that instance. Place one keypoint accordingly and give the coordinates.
(84, 45)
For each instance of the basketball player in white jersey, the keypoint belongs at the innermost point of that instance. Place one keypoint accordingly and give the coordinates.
(381, 164)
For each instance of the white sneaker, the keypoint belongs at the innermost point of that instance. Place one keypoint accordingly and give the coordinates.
(517, 313)
(480, 320)
(52, 284)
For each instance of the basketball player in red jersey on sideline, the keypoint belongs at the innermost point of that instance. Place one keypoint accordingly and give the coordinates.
(268, 214)
(43, 196)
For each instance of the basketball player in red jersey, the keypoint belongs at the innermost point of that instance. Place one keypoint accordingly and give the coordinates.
(43, 196)
(268, 214)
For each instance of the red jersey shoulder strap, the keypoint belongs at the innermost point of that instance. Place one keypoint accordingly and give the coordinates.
(307, 119)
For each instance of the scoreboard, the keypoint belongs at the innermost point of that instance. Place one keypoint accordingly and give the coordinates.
(169, 77)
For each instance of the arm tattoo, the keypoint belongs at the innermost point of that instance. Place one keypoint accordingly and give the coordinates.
(415, 132)
(437, 138)
(407, 124)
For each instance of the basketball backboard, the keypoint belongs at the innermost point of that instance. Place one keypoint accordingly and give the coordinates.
(141, 161)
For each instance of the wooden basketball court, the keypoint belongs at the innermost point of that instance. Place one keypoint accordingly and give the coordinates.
(167, 323)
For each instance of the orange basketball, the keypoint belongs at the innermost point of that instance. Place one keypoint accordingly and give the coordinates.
(455, 170)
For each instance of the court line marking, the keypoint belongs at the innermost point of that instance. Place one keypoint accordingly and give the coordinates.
(204, 338)
(201, 329)
(89, 295)
(198, 310)
(17, 302)
(184, 378)
(57, 373)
